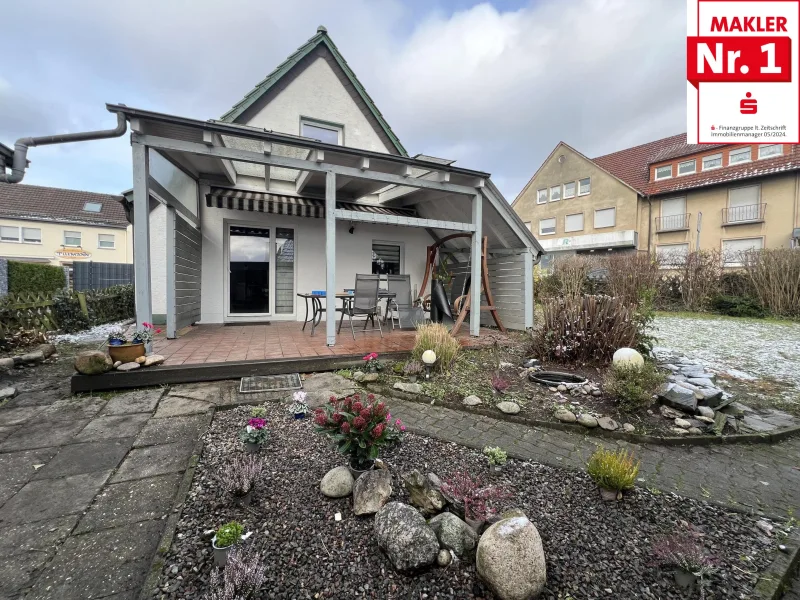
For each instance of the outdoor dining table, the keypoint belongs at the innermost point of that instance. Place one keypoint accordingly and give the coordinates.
(317, 310)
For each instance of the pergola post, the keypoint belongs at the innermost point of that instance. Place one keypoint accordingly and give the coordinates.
(476, 262)
(141, 235)
(330, 257)
(172, 323)
(528, 258)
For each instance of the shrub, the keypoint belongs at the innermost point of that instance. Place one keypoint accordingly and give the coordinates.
(630, 275)
(495, 455)
(615, 471)
(229, 534)
(737, 306)
(700, 276)
(68, 314)
(436, 337)
(587, 329)
(111, 304)
(774, 276)
(571, 273)
(633, 386)
(242, 577)
(34, 278)
(472, 495)
(240, 475)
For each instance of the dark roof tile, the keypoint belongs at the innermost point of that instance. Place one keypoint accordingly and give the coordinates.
(19, 200)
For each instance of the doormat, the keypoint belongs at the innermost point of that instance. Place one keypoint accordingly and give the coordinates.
(270, 383)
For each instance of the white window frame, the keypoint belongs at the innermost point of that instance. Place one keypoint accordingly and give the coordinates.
(749, 151)
(580, 193)
(337, 127)
(761, 147)
(685, 162)
(22, 235)
(554, 225)
(19, 235)
(555, 187)
(669, 166)
(539, 199)
(113, 245)
(711, 156)
(664, 248)
(574, 190)
(597, 210)
(401, 245)
(583, 222)
(734, 263)
(79, 236)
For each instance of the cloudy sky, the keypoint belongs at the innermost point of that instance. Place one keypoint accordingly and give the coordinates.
(493, 85)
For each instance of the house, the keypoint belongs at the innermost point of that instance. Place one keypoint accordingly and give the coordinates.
(666, 197)
(299, 187)
(61, 226)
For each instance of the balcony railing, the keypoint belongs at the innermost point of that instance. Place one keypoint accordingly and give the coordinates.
(750, 213)
(673, 222)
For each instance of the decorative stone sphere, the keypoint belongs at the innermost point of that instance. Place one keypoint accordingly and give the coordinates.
(628, 356)
(429, 357)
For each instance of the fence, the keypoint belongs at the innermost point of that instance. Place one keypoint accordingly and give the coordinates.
(97, 275)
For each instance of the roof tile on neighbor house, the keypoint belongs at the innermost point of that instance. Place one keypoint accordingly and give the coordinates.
(632, 165)
(22, 201)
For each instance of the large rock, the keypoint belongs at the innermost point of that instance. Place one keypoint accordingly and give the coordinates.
(33, 357)
(709, 395)
(7, 393)
(6, 363)
(565, 416)
(422, 494)
(129, 366)
(705, 411)
(587, 420)
(152, 360)
(453, 533)
(47, 350)
(401, 532)
(509, 408)
(678, 397)
(371, 491)
(337, 483)
(608, 423)
(92, 362)
(471, 401)
(409, 388)
(510, 559)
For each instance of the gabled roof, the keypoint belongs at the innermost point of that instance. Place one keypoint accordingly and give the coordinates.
(34, 202)
(320, 39)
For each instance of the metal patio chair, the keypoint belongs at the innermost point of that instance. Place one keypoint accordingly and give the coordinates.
(364, 303)
(400, 308)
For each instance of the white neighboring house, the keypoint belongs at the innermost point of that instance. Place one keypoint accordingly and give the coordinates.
(232, 239)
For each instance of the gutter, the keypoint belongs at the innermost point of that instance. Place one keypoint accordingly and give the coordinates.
(20, 158)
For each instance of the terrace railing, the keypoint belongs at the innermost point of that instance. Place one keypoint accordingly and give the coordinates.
(749, 213)
(673, 222)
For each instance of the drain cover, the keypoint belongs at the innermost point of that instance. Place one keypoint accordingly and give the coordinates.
(270, 383)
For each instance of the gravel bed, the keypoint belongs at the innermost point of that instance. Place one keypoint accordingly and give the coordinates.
(593, 549)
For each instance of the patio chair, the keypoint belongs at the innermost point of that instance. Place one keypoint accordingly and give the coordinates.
(364, 303)
(400, 308)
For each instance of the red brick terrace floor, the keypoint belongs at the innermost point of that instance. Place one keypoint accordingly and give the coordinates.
(204, 344)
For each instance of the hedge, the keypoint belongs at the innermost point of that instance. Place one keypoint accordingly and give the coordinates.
(34, 278)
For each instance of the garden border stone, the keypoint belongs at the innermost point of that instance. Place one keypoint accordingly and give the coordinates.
(773, 582)
(637, 438)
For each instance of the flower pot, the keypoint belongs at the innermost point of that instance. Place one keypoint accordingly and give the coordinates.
(475, 524)
(252, 447)
(243, 500)
(412, 378)
(126, 352)
(220, 553)
(684, 579)
(357, 472)
(610, 495)
(116, 342)
(496, 470)
(299, 415)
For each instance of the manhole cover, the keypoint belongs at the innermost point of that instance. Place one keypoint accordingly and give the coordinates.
(557, 378)
(270, 383)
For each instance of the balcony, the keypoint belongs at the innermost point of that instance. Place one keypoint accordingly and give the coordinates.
(673, 223)
(750, 213)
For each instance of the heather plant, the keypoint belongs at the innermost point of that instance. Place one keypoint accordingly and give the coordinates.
(684, 552)
(258, 411)
(475, 497)
(436, 337)
(614, 471)
(229, 534)
(499, 384)
(255, 432)
(240, 475)
(358, 428)
(495, 455)
(413, 368)
(633, 386)
(241, 579)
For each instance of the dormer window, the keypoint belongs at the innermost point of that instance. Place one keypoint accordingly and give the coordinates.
(93, 207)
(328, 133)
(664, 172)
(687, 167)
(712, 161)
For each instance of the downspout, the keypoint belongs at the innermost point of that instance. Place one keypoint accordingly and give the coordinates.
(649, 221)
(20, 160)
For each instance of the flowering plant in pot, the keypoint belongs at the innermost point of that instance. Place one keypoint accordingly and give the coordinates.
(298, 407)
(371, 363)
(116, 337)
(224, 538)
(471, 499)
(254, 434)
(242, 577)
(144, 335)
(238, 478)
(496, 458)
(358, 428)
(413, 369)
(687, 556)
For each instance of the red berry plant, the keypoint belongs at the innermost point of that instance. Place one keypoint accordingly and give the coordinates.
(358, 427)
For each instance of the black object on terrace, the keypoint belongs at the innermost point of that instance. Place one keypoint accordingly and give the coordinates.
(551, 378)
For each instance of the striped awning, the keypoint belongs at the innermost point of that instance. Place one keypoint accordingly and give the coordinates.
(297, 206)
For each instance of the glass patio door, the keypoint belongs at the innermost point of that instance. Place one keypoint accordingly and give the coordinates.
(249, 268)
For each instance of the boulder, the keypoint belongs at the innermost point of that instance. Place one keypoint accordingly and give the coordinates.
(710, 395)
(7, 393)
(371, 491)
(694, 431)
(608, 423)
(409, 388)
(510, 559)
(587, 420)
(670, 413)
(92, 362)
(678, 431)
(434, 480)
(707, 380)
(32, 357)
(358, 376)
(628, 428)
(401, 532)
(471, 401)
(47, 350)
(337, 483)
(706, 420)
(682, 423)
(453, 533)
(565, 416)
(153, 359)
(677, 397)
(128, 366)
(705, 411)
(370, 378)
(6, 363)
(422, 494)
(509, 408)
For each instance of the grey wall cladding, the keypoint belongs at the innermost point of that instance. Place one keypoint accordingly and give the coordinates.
(188, 260)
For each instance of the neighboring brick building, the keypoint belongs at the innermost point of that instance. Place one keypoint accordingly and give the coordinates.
(665, 196)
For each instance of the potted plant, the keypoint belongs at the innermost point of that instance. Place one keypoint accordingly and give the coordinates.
(413, 369)
(239, 478)
(687, 556)
(469, 499)
(116, 337)
(129, 351)
(496, 457)
(144, 335)
(359, 429)
(371, 363)
(224, 538)
(499, 385)
(613, 472)
(258, 411)
(254, 434)
(298, 407)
